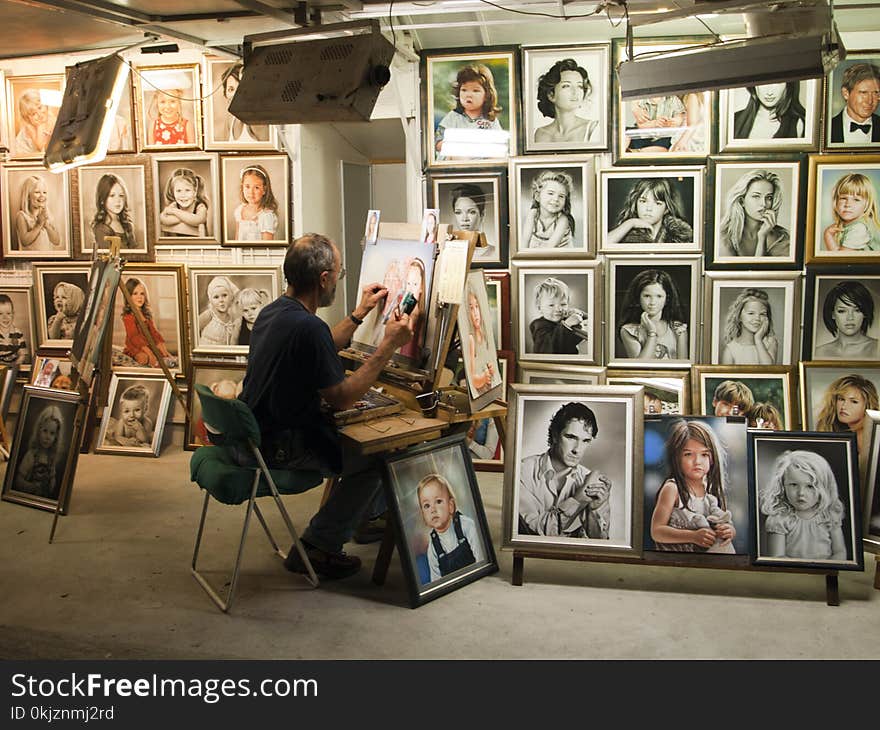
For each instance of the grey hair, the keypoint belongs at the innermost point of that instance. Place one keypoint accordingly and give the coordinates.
(307, 258)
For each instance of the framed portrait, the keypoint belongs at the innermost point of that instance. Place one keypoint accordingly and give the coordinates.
(843, 221)
(805, 506)
(539, 373)
(168, 109)
(552, 204)
(160, 291)
(256, 200)
(661, 128)
(470, 106)
(852, 95)
(17, 335)
(32, 105)
(122, 136)
(754, 319)
(4, 134)
(224, 304)
(44, 451)
(474, 201)
(94, 319)
(224, 380)
(134, 417)
(482, 438)
(667, 392)
(402, 267)
(652, 311)
(774, 116)
(696, 502)
(60, 292)
(558, 311)
(566, 98)
(498, 291)
(836, 397)
(186, 198)
(114, 200)
(840, 323)
(51, 371)
(443, 536)
(598, 511)
(222, 130)
(8, 376)
(371, 227)
(479, 348)
(658, 211)
(757, 218)
(871, 501)
(764, 396)
(35, 210)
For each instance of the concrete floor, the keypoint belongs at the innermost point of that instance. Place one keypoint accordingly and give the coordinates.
(116, 584)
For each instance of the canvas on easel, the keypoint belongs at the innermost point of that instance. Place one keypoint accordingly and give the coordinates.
(94, 316)
(478, 347)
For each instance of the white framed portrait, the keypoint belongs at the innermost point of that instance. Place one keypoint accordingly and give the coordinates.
(676, 127)
(843, 214)
(32, 106)
(652, 311)
(842, 315)
(112, 200)
(551, 200)
(757, 210)
(135, 415)
(558, 311)
(479, 347)
(256, 200)
(604, 471)
(852, 95)
(753, 320)
(224, 304)
(763, 395)
(186, 198)
(651, 210)
(474, 201)
(167, 102)
(566, 97)
(222, 130)
(667, 392)
(775, 116)
(35, 213)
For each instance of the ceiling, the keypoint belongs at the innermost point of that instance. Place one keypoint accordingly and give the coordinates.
(38, 27)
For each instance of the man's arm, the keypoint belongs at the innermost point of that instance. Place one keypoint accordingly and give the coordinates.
(371, 294)
(347, 392)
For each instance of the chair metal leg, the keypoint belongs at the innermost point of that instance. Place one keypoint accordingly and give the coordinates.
(215, 596)
(312, 576)
(268, 532)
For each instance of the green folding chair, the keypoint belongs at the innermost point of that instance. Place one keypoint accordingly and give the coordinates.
(216, 471)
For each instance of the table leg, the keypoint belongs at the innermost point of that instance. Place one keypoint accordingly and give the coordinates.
(386, 550)
(832, 594)
(517, 579)
(877, 572)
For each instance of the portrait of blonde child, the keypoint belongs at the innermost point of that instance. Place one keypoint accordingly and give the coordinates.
(453, 540)
(748, 331)
(36, 473)
(112, 212)
(475, 104)
(415, 283)
(549, 222)
(14, 348)
(186, 205)
(166, 120)
(856, 226)
(133, 426)
(481, 352)
(250, 302)
(652, 319)
(256, 216)
(766, 416)
(220, 322)
(136, 345)
(36, 122)
(803, 508)
(68, 300)
(690, 514)
(35, 227)
(560, 328)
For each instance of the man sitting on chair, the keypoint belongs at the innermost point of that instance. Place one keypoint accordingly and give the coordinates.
(292, 364)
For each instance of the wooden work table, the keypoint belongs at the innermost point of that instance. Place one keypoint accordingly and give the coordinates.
(393, 432)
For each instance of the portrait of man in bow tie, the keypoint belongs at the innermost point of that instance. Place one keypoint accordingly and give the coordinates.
(857, 124)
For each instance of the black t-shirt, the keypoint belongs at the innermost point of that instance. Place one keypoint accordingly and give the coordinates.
(292, 356)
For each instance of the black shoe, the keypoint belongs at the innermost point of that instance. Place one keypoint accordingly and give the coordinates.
(327, 565)
(371, 530)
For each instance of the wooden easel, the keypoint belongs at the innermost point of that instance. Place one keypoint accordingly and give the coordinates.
(94, 392)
